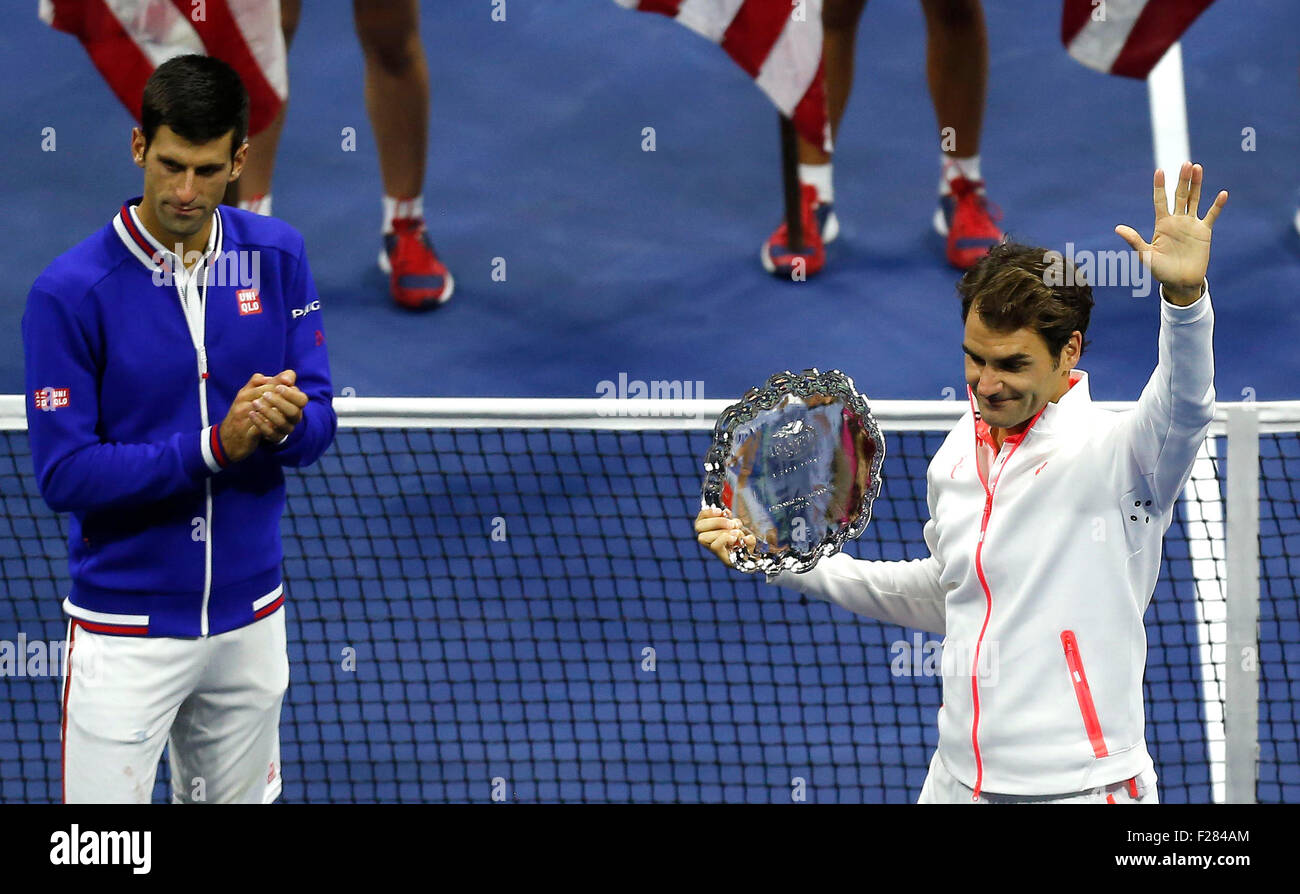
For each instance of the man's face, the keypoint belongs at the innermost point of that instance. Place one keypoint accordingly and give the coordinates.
(1012, 374)
(183, 181)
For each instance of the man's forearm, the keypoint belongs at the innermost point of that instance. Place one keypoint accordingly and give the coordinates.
(906, 593)
(105, 476)
(1175, 409)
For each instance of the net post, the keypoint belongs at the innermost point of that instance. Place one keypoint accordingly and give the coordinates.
(1241, 701)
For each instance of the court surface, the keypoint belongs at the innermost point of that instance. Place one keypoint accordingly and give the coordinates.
(619, 260)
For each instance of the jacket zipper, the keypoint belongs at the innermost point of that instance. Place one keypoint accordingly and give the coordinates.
(198, 337)
(1083, 693)
(207, 480)
(974, 678)
(989, 490)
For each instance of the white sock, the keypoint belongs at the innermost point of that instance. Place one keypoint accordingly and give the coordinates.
(958, 167)
(819, 177)
(402, 209)
(257, 204)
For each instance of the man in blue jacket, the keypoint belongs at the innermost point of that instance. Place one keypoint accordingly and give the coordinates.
(158, 421)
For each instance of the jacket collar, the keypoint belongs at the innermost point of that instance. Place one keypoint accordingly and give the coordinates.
(148, 250)
(1053, 419)
(1070, 410)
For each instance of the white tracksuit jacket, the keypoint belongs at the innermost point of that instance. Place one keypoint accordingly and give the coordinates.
(1039, 578)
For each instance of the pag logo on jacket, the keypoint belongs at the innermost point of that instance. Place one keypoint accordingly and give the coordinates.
(303, 311)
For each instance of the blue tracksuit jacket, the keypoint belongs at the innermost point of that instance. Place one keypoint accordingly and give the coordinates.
(129, 372)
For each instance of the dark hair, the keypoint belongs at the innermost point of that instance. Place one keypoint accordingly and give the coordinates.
(199, 97)
(1019, 286)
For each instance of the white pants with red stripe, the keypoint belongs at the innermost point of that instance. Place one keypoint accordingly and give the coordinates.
(215, 701)
(941, 787)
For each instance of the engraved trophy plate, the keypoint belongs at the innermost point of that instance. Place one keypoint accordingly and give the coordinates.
(797, 461)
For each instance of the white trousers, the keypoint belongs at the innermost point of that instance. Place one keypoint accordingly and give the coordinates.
(941, 787)
(214, 700)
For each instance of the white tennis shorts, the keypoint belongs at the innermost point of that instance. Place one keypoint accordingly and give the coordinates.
(215, 701)
(941, 787)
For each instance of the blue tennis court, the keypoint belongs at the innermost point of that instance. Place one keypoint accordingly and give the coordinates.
(620, 261)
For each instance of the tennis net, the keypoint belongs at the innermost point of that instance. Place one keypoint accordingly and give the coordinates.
(504, 600)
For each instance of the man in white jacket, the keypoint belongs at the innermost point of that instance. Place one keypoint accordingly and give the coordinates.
(1047, 516)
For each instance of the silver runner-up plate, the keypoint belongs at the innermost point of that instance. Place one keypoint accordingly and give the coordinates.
(797, 461)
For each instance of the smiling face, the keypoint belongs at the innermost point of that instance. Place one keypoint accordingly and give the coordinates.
(1013, 375)
(183, 183)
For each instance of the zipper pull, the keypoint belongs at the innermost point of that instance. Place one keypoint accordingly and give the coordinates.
(203, 362)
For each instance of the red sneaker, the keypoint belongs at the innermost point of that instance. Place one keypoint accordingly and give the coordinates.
(964, 217)
(776, 255)
(417, 279)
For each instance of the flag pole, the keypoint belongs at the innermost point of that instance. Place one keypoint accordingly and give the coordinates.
(790, 179)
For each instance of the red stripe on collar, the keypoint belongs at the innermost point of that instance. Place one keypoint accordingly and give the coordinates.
(136, 235)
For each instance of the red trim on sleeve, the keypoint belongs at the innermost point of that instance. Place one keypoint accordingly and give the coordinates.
(219, 454)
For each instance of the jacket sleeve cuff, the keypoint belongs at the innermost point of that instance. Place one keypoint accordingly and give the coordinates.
(214, 455)
(1188, 314)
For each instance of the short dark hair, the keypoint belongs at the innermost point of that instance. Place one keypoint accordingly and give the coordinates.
(1019, 286)
(199, 97)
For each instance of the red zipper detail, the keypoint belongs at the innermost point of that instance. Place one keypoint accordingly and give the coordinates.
(1083, 694)
(974, 679)
(989, 490)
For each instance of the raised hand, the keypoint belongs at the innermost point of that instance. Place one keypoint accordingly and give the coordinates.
(1179, 251)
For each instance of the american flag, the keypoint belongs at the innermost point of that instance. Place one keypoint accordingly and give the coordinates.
(128, 39)
(1125, 37)
(777, 42)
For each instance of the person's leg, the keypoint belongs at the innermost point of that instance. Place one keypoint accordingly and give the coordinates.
(225, 743)
(957, 67)
(957, 61)
(252, 191)
(839, 36)
(397, 91)
(839, 41)
(397, 98)
(120, 697)
(840, 20)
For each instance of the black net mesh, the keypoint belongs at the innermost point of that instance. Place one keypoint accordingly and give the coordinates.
(526, 613)
(1279, 618)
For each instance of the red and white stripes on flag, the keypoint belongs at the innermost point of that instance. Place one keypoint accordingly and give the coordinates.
(1125, 37)
(777, 42)
(128, 39)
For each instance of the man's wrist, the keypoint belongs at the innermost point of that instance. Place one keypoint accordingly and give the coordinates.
(1183, 297)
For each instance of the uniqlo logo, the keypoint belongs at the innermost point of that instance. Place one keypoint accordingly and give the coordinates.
(48, 399)
(249, 303)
